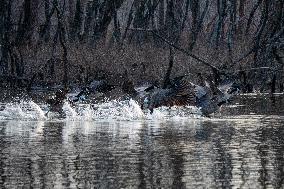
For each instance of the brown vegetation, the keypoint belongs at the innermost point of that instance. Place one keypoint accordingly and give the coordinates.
(49, 42)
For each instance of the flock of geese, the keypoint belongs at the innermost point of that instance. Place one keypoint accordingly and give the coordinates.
(206, 95)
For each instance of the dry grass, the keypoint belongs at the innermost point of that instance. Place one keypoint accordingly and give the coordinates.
(144, 63)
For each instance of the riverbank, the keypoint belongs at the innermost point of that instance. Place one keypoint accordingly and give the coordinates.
(145, 63)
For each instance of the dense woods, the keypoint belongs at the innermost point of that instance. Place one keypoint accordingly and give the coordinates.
(50, 42)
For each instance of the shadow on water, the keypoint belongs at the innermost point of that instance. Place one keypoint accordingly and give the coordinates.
(242, 151)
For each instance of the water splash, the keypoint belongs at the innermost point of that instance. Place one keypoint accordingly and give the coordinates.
(118, 110)
(124, 110)
(22, 111)
(70, 112)
(39, 112)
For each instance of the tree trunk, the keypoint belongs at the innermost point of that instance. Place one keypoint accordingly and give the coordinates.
(44, 33)
(5, 37)
(106, 12)
(167, 79)
(26, 28)
(242, 4)
(75, 28)
(63, 41)
(161, 17)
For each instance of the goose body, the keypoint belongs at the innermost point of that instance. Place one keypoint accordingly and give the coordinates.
(151, 97)
(96, 86)
(175, 95)
(209, 98)
(100, 86)
(56, 102)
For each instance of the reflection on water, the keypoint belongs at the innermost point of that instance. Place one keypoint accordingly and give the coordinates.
(242, 152)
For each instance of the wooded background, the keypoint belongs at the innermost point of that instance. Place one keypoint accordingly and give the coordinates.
(49, 42)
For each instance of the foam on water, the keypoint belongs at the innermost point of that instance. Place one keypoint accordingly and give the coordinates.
(69, 111)
(111, 110)
(22, 111)
(118, 110)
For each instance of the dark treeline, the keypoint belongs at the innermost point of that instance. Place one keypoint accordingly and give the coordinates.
(50, 42)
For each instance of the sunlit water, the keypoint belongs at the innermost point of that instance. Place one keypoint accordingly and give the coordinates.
(117, 145)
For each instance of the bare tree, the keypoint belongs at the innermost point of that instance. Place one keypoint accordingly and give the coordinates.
(27, 25)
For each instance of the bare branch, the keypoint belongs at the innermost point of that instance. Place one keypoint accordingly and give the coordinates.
(179, 48)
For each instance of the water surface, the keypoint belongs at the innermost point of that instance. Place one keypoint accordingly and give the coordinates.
(115, 145)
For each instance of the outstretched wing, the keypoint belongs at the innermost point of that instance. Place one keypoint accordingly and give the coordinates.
(199, 91)
(179, 95)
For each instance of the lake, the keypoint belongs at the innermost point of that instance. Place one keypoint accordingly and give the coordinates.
(116, 145)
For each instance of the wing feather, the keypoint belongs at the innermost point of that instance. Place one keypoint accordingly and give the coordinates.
(180, 94)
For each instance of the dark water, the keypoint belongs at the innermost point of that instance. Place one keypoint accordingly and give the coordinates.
(243, 148)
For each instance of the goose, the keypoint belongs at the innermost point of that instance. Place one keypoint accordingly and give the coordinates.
(210, 97)
(57, 100)
(100, 86)
(136, 93)
(175, 94)
(96, 86)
